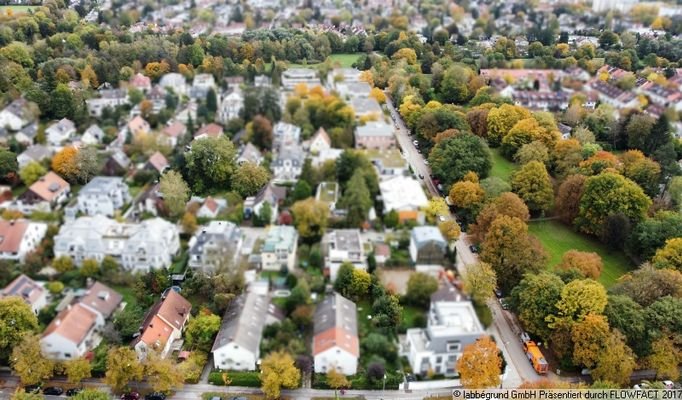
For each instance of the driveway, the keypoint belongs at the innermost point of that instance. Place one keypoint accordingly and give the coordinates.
(395, 278)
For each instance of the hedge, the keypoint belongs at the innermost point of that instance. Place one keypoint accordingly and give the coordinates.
(237, 378)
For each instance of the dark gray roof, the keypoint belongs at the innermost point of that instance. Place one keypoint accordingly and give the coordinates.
(37, 152)
(30, 130)
(336, 311)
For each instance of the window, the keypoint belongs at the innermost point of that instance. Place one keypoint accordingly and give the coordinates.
(439, 359)
(67, 355)
(453, 346)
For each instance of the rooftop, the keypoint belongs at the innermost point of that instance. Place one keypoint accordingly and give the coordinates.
(375, 128)
(327, 192)
(424, 234)
(24, 287)
(102, 299)
(390, 158)
(402, 193)
(336, 324)
(101, 185)
(49, 186)
(280, 237)
(12, 234)
(345, 240)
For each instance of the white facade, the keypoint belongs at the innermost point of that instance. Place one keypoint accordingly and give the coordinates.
(18, 238)
(103, 195)
(10, 120)
(336, 358)
(343, 246)
(279, 248)
(60, 132)
(57, 347)
(230, 106)
(234, 357)
(175, 82)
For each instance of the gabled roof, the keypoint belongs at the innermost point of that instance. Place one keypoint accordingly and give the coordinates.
(140, 81)
(24, 287)
(174, 309)
(12, 234)
(336, 324)
(102, 299)
(120, 158)
(138, 124)
(37, 152)
(321, 134)
(158, 161)
(49, 186)
(212, 130)
(73, 323)
(20, 109)
(175, 129)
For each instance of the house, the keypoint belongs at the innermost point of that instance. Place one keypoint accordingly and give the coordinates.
(137, 126)
(28, 290)
(188, 112)
(295, 76)
(103, 300)
(404, 195)
(59, 132)
(36, 153)
(157, 162)
(210, 207)
(285, 135)
(427, 245)
(163, 325)
(230, 106)
(47, 193)
(117, 163)
(452, 325)
(211, 130)
(343, 75)
(71, 334)
(343, 246)
(541, 100)
(175, 82)
(388, 163)
(279, 248)
(20, 237)
(217, 244)
(288, 164)
(262, 81)
(172, 133)
(141, 83)
(108, 98)
(320, 142)
(271, 194)
(93, 135)
(250, 153)
(17, 115)
(325, 155)
(27, 134)
(141, 247)
(366, 107)
(374, 135)
(613, 95)
(328, 192)
(353, 90)
(103, 195)
(201, 85)
(335, 336)
(237, 345)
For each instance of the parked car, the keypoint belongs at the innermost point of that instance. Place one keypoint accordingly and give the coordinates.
(53, 391)
(421, 176)
(473, 249)
(73, 391)
(498, 293)
(441, 218)
(130, 396)
(33, 388)
(415, 142)
(504, 304)
(155, 396)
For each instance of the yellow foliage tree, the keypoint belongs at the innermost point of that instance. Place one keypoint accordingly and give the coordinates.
(378, 95)
(480, 365)
(278, 371)
(89, 77)
(65, 163)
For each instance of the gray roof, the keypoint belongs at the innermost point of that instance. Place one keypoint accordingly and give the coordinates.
(37, 152)
(30, 130)
(336, 311)
(365, 105)
(101, 185)
(425, 234)
(374, 128)
(244, 321)
(121, 158)
(222, 234)
(250, 153)
(19, 107)
(345, 239)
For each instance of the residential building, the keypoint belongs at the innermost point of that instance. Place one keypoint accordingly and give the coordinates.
(157, 162)
(217, 244)
(404, 195)
(279, 248)
(71, 334)
(320, 142)
(271, 194)
(210, 207)
(137, 126)
(427, 245)
(201, 85)
(17, 115)
(93, 135)
(343, 75)
(211, 130)
(288, 164)
(250, 153)
(366, 107)
(60, 132)
(262, 81)
(613, 95)
(27, 134)
(175, 82)
(343, 246)
(237, 345)
(452, 325)
(230, 106)
(374, 135)
(141, 83)
(336, 345)
(103, 195)
(20, 237)
(36, 153)
(613, 5)
(163, 325)
(662, 96)
(328, 192)
(295, 76)
(188, 112)
(48, 193)
(28, 290)
(141, 247)
(389, 163)
(325, 155)
(353, 90)
(103, 300)
(172, 133)
(285, 135)
(546, 101)
(108, 98)
(117, 163)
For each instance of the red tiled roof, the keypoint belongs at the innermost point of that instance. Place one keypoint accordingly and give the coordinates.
(11, 235)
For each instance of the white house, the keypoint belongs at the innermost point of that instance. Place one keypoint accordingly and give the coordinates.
(109, 98)
(59, 132)
(335, 342)
(163, 325)
(174, 81)
(16, 115)
(201, 85)
(404, 195)
(36, 153)
(320, 142)
(28, 290)
(271, 194)
(230, 106)
(295, 76)
(103, 195)
(210, 207)
(288, 164)
(217, 244)
(250, 153)
(427, 245)
(343, 246)
(237, 345)
(20, 237)
(279, 248)
(71, 334)
(93, 135)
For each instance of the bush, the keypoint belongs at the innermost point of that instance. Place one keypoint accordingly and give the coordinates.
(484, 315)
(237, 378)
(193, 366)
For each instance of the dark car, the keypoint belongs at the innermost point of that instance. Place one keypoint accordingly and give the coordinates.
(33, 388)
(73, 391)
(421, 176)
(53, 391)
(155, 396)
(239, 398)
(473, 249)
(498, 293)
(130, 396)
(504, 304)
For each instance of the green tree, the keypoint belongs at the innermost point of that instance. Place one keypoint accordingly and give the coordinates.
(534, 151)
(76, 370)
(31, 173)
(123, 367)
(89, 267)
(201, 330)
(344, 279)
(310, 218)
(16, 321)
(211, 101)
(648, 284)
(420, 287)
(616, 362)
(579, 298)
(533, 185)
(451, 159)
(62, 102)
(278, 371)
(91, 394)
(28, 363)
(302, 190)
(534, 299)
(55, 287)
(175, 192)
(63, 264)
(479, 282)
(211, 163)
(356, 199)
(8, 165)
(625, 315)
(249, 179)
(652, 233)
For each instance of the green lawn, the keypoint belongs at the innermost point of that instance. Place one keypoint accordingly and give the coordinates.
(127, 293)
(502, 168)
(409, 315)
(558, 239)
(16, 9)
(345, 60)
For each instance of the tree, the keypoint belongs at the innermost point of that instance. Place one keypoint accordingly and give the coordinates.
(589, 335)
(123, 367)
(16, 321)
(87, 164)
(434, 208)
(534, 299)
(501, 120)
(449, 229)
(175, 192)
(8, 165)
(579, 298)
(344, 278)
(62, 264)
(534, 151)
(65, 163)
(76, 370)
(420, 287)
(162, 374)
(302, 190)
(533, 185)
(55, 287)
(568, 198)
(336, 380)
(91, 394)
(249, 179)
(616, 362)
(359, 285)
(467, 195)
(189, 223)
(626, 316)
(201, 330)
(211, 101)
(670, 256)
(480, 365)
(511, 251)
(277, 371)
(28, 362)
(406, 54)
(20, 394)
(387, 313)
(606, 194)
(378, 95)
(357, 199)
(648, 284)
(566, 156)
(587, 263)
(62, 103)
(665, 358)
(31, 173)
(310, 217)
(262, 132)
(652, 233)
(479, 282)
(452, 158)
(210, 163)
(523, 132)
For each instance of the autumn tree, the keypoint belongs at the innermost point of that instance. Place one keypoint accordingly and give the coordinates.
(506, 204)
(62, 264)
(249, 179)
(535, 298)
(262, 132)
(665, 358)
(336, 380)
(454, 157)
(420, 287)
(210, 163)
(28, 363)
(534, 151)
(670, 255)
(589, 264)
(568, 198)
(175, 192)
(123, 367)
(449, 229)
(31, 173)
(533, 185)
(466, 194)
(523, 132)
(480, 281)
(65, 164)
(76, 370)
(201, 330)
(578, 299)
(501, 119)
(16, 321)
(162, 374)
(278, 371)
(310, 218)
(480, 365)
(566, 156)
(378, 95)
(648, 284)
(511, 251)
(616, 361)
(589, 335)
(91, 394)
(434, 208)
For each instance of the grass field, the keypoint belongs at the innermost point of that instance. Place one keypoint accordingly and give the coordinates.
(344, 60)
(558, 239)
(127, 293)
(502, 168)
(16, 9)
